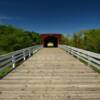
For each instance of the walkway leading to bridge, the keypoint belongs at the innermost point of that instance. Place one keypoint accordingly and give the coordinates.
(51, 74)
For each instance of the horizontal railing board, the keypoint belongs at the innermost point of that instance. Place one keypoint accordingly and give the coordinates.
(12, 58)
(7, 65)
(92, 54)
(89, 62)
(6, 61)
(90, 57)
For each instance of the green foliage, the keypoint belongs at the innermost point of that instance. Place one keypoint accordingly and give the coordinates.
(92, 40)
(77, 40)
(64, 40)
(12, 39)
(36, 38)
(85, 39)
(5, 71)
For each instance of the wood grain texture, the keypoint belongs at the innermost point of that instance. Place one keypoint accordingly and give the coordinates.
(51, 74)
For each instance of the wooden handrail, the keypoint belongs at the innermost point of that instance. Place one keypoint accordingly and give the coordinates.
(12, 58)
(90, 57)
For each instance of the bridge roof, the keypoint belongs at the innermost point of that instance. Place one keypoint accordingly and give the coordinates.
(50, 34)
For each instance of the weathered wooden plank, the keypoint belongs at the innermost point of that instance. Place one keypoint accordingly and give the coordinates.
(51, 74)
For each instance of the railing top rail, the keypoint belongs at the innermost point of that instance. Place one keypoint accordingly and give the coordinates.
(14, 52)
(89, 53)
(11, 59)
(90, 57)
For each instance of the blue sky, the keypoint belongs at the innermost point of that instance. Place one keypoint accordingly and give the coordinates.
(51, 16)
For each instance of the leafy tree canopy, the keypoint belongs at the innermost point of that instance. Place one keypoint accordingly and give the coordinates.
(85, 39)
(12, 39)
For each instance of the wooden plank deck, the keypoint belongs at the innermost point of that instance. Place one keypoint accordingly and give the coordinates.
(51, 74)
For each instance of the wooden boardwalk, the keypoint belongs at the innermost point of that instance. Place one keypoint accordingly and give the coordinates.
(51, 74)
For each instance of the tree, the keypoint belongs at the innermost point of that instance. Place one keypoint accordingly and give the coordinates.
(64, 40)
(85, 39)
(92, 40)
(12, 38)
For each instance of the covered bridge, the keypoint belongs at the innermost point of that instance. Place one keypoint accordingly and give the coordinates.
(50, 40)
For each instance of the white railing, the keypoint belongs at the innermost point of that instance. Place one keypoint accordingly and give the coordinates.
(14, 57)
(89, 57)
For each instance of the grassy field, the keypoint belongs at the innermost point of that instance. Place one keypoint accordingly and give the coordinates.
(5, 71)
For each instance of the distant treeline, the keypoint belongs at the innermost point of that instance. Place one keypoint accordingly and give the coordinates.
(12, 39)
(86, 39)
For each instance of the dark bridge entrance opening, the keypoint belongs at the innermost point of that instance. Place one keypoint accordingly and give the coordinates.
(50, 40)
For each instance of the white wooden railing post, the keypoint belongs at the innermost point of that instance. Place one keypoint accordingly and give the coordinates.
(72, 52)
(68, 50)
(77, 55)
(13, 61)
(89, 60)
(12, 58)
(32, 51)
(89, 57)
(24, 55)
(29, 52)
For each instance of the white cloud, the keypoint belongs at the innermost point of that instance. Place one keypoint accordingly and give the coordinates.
(5, 18)
(10, 18)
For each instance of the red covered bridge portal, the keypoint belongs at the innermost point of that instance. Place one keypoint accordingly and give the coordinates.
(50, 40)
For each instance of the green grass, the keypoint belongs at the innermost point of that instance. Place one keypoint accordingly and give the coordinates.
(5, 71)
(93, 67)
(2, 52)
